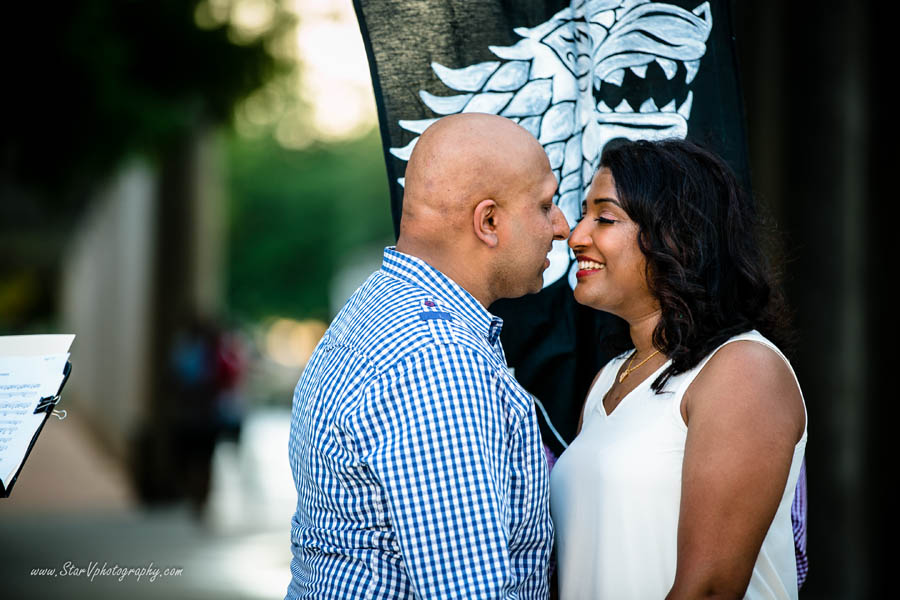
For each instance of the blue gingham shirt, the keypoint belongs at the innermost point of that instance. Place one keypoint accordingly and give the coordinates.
(417, 457)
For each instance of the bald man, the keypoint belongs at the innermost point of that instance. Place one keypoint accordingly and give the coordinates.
(417, 457)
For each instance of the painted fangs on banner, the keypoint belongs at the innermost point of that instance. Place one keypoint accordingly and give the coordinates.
(556, 81)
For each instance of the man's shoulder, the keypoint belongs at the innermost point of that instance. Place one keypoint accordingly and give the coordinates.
(388, 319)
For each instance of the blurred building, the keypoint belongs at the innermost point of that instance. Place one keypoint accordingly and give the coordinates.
(143, 261)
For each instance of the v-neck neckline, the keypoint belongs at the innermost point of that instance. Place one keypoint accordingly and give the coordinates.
(615, 373)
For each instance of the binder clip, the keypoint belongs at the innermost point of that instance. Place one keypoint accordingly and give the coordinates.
(48, 404)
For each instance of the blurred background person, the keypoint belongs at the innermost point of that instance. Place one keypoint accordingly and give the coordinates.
(206, 366)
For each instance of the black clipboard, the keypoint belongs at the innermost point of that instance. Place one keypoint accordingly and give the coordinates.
(45, 405)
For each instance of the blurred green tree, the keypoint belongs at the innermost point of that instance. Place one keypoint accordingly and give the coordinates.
(89, 83)
(295, 217)
(92, 83)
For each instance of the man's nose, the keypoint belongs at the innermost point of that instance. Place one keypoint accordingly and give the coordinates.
(560, 225)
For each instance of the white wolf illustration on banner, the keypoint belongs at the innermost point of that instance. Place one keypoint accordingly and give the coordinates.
(556, 80)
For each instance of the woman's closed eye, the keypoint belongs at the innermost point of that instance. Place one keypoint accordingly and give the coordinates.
(604, 218)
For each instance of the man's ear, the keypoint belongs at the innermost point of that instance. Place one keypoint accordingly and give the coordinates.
(485, 222)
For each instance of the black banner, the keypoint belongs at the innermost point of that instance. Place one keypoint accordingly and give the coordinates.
(577, 75)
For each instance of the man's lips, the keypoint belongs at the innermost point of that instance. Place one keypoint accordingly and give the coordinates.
(588, 266)
(547, 259)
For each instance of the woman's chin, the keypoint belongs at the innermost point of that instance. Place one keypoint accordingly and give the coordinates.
(583, 296)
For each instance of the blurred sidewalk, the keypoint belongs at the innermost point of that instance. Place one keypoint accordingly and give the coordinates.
(72, 509)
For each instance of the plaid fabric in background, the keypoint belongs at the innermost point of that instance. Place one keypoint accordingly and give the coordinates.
(798, 519)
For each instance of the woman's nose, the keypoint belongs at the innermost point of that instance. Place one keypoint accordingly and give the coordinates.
(577, 236)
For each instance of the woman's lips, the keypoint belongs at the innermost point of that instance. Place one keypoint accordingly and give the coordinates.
(588, 266)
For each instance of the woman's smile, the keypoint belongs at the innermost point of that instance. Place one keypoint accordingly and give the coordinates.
(588, 266)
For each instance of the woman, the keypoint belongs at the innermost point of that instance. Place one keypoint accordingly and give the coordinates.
(680, 482)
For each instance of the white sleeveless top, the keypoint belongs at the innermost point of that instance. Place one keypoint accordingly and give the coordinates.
(615, 496)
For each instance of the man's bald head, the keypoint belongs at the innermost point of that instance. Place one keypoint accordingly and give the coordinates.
(478, 205)
(459, 161)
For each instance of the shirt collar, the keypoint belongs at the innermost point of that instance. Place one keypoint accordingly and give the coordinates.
(417, 272)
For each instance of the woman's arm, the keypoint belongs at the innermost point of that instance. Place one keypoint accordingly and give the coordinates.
(744, 414)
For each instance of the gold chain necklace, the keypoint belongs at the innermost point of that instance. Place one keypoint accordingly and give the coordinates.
(629, 369)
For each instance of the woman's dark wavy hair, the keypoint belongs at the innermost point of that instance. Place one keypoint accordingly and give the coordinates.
(702, 237)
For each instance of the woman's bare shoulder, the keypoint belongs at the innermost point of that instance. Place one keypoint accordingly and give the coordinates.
(746, 377)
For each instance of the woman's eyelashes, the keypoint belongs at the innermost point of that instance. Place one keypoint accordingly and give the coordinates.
(606, 220)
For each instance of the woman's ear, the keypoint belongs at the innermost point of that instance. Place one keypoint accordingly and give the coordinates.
(485, 222)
